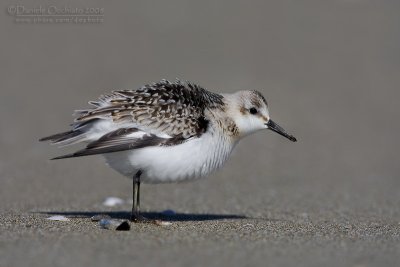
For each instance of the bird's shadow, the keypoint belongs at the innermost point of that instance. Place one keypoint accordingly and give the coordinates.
(176, 217)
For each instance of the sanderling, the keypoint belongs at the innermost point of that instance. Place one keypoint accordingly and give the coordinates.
(166, 131)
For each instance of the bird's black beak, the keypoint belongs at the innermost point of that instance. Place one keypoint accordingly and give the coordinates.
(278, 129)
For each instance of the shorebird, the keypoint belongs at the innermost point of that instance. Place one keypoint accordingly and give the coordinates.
(166, 131)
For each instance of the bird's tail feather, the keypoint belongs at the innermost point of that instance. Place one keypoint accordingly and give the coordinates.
(77, 134)
(65, 138)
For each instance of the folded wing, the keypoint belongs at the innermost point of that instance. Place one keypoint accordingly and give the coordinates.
(120, 140)
(156, 114)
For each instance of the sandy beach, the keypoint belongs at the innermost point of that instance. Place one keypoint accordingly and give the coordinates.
(330, 73)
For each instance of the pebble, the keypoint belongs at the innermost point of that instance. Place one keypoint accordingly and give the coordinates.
(98, 217)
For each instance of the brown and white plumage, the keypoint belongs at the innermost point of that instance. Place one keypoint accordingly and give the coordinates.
(163, 109)
(170, 131)
(172, 108)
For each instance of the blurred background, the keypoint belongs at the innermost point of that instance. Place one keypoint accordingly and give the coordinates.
(329, 70)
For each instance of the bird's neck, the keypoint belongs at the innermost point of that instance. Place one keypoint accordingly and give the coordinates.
(223, 124)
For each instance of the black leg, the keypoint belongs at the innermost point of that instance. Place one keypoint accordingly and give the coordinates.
(135, 216)
(138, 198)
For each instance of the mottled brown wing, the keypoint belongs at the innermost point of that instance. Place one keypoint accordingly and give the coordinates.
(176, 108)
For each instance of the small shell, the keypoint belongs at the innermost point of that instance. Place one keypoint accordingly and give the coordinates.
(168, 212)
(116, 225)
(58, 218)
(113, 201)
(162, 223)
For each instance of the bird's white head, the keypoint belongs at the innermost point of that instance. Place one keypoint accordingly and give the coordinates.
(249, 111)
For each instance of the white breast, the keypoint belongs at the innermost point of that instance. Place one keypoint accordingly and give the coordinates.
(195, 158)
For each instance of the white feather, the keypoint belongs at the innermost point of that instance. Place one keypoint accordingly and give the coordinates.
(196, 158)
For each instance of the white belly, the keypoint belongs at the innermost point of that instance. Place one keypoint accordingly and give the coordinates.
(195, 158)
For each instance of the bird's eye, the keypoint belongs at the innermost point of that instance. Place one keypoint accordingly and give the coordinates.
(253, 111)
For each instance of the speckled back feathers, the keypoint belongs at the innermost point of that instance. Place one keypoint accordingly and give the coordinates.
(174, 108)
